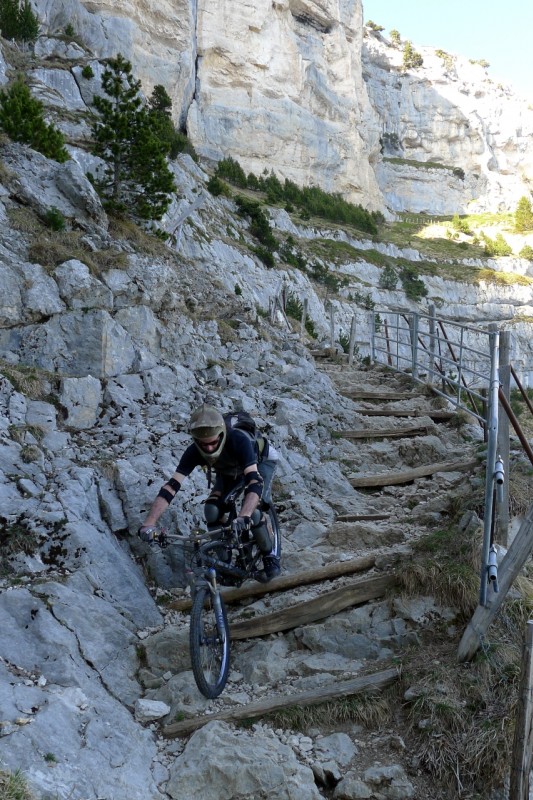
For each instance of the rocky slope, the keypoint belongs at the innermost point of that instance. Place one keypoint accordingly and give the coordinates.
(108, 339)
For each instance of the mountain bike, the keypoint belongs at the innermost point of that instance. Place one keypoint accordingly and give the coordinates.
(221, 556)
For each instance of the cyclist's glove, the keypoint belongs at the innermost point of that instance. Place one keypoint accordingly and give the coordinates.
(147, 533)
(241, 524)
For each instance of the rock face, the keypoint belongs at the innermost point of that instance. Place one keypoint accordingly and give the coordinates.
(449, 114)
(299, 87)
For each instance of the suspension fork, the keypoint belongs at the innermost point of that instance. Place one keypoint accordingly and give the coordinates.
(217, 602)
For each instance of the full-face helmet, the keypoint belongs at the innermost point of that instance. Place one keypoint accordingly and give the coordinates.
(208, 430)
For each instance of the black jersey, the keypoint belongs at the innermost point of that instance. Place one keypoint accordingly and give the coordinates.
(239, 452)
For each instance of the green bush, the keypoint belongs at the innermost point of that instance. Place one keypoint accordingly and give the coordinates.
(54, 219)
(231, 170)
(413, 285)
(388, 278)
(21, 117)
(461, 225)
(526, 252)
(411, 59)
(218, 187)
(259, 224)
(395, 38)
(69, 30)
(496, 247)
(374, 27)
(87, 72)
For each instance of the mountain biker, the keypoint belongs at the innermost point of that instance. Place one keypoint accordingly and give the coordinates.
(233, 454)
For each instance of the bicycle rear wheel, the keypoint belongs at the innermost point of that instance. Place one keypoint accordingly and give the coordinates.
(276, 533)
(209, 643)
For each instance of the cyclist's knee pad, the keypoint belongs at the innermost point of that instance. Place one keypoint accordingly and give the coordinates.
(262, 535)
(212, 511)
(256, 517)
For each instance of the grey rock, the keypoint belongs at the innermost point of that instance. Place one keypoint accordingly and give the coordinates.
(81, 397)
(266, 768)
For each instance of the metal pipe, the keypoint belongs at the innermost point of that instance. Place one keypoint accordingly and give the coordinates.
(492, 434)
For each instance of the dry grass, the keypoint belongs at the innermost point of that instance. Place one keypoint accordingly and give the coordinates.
(140, 240)
(370, 710)
(461, 716)
(13, 786)
(31, 381)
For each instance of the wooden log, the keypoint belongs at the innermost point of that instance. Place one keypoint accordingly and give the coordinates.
(254, 589)
(360, 517)
(312, 697)
(513, 561)
(384, 433)
(435, 414)
(325, 605)
(395, 478)
(364, 394)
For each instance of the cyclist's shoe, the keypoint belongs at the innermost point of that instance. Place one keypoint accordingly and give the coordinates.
(271, 566)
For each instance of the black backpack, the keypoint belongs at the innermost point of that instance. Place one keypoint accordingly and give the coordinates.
(241, 420)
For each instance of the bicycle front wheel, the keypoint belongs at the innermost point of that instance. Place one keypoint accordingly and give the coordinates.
(209, 642)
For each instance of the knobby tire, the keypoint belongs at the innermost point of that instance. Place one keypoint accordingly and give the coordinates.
(209, 653)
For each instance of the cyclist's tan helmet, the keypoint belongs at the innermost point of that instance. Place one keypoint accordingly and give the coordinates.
(208, 430)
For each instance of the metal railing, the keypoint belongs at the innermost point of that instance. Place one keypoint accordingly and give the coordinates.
(460, 363)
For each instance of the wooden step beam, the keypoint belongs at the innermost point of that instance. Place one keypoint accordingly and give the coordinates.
(364, 394)
(311, 697)
(255, 589)
(384, 433)
(434, 414)
(409, 475)
(321, 607)
(361, 517)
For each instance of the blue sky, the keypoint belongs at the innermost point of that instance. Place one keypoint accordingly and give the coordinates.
(500, 33)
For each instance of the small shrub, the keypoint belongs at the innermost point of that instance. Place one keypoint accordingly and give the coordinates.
(497, 246)
(344, 341)
(69, 31)
(218, 187)
(238, 290)
(21, 117)
(87, 72)
(54, 219)
(388, 278)
(374, 27)
(411, 58)
(265, 256)
(461, 225)
(395, 38)
(413, 285)
(526, 252)
(231, 170)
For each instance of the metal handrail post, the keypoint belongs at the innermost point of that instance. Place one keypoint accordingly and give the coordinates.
(414, 345)
(492, 440)
(431, 371)
(372, 337)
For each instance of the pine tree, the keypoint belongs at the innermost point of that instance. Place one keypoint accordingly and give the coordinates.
(18, 21)
(136, 177)
(28, 23)
(9, 18)
(523, 216)
(21, 117)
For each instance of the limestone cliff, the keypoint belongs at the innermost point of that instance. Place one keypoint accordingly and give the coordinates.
(285, 86)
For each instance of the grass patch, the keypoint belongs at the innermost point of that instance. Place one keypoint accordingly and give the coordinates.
(369, 710)
(13, 786)
(31, 381)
